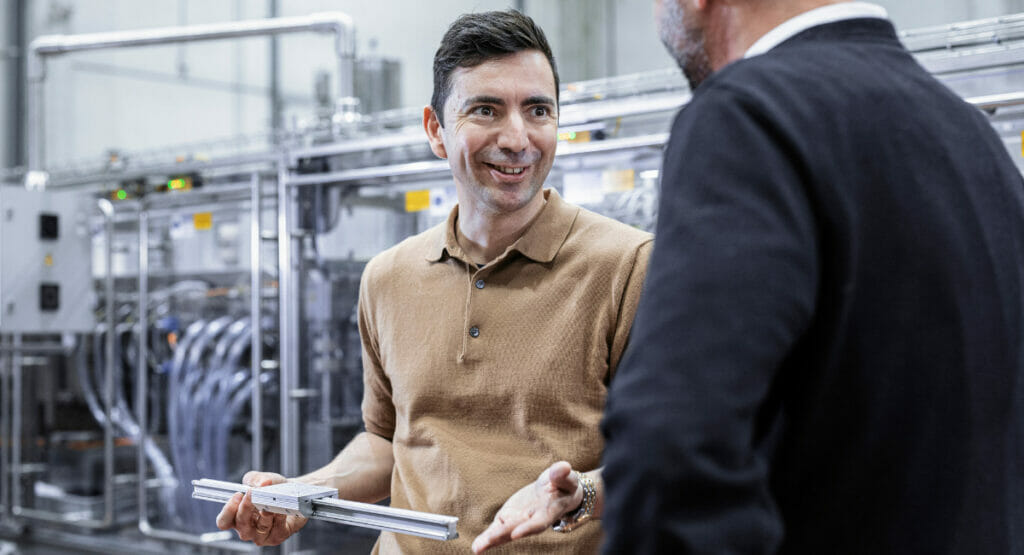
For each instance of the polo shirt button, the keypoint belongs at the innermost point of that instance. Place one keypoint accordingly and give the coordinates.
(474, 331)
(479, 284)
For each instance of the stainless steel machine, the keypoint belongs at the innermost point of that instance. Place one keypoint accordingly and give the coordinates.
(204, 319)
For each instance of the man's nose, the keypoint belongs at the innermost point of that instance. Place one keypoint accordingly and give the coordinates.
(513, 135)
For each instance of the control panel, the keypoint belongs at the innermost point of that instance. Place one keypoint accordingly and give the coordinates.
(45, 262)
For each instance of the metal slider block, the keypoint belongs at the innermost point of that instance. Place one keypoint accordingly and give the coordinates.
(290, 498)
(320, 503)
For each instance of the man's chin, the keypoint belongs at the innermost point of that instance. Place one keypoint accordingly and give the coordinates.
(507, 200)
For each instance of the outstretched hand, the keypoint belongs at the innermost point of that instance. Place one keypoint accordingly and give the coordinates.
(534, 508)
(260, 527)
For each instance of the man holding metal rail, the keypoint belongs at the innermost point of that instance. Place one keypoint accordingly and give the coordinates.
(489, 341)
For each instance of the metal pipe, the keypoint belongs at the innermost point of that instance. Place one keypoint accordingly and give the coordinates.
(141, 373)
(16, 31)
(5, 436)
(15, 427)
(255, 308)
(43, 348)
(51, 45)
(107, 208)
(994, 101)
(287, 351)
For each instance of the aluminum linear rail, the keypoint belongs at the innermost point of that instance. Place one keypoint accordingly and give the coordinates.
(321, 503)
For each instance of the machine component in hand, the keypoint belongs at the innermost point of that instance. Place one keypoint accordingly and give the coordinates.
(321, 503)
(290, 498)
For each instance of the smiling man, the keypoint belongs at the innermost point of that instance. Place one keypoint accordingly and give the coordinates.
(489, 341)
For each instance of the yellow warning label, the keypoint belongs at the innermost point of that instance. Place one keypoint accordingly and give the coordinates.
(417, 200)
(613, 181)
(48, 260)
(202, 220)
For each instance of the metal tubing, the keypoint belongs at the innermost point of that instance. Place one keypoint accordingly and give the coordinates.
(141, 373)
(288, 352)
(288, 430)
(50, 45)
(255, 308)
(5, 436)
(107, 208)
(43, 348)
(15, 436)
(994, 101)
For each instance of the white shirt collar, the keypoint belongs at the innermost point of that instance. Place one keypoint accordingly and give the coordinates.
(818, 16)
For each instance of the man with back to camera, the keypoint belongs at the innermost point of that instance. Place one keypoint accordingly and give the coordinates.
(489, 340)
(829, 353)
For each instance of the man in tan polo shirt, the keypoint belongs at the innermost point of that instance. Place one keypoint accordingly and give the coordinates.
(489, 341)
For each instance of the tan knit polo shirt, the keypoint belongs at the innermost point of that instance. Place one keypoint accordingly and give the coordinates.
(483, 377)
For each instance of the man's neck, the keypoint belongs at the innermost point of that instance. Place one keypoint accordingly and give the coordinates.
(734, 27)
(484, 235)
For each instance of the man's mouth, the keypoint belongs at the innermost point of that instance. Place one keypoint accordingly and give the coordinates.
(507, 170)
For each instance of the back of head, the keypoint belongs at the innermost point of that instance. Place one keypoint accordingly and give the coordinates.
(474, 38)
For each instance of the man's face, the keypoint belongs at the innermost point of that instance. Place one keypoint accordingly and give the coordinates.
(501, 127)
(683, 36)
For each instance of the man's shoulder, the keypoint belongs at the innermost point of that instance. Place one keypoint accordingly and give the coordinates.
(406, 256)
(601, 233)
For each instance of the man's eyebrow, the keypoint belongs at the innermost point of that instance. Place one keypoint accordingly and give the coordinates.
(482, 99)
(539, 99)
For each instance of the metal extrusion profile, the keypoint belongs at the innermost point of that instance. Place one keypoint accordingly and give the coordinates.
(321, 503)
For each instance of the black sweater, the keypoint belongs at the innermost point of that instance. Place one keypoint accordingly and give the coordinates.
(829, 353)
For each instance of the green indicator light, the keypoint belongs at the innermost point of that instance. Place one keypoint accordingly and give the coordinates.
(122, 194)
(176, 183)
(572, 135)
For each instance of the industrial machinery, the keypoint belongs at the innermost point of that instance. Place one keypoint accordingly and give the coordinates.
(204, 319)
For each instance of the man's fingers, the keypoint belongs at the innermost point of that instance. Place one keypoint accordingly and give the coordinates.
(284, 527)
(226, 516)
(560, 476)
(245, 518)
(264, 523)
(495, 534)
(538, 523)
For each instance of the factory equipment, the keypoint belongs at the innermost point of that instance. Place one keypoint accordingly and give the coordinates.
(44, 264)
(219, 332)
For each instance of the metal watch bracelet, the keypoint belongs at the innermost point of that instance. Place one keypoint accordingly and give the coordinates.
(585, 513)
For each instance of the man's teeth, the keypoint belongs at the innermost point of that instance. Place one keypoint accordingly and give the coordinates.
(510, 171)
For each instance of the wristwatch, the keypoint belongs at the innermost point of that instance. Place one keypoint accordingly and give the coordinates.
(585, 513)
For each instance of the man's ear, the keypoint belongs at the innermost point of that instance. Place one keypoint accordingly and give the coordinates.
(433, 128)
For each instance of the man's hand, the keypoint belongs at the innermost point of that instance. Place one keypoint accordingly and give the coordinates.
(260, 527)
(534, 508)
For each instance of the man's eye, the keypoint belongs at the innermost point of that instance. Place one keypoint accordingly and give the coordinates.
(484, 111)
(541, 111)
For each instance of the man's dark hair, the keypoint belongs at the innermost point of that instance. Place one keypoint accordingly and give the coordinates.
(475, 38)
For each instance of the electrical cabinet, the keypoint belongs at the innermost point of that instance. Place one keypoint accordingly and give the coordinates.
(45, 257)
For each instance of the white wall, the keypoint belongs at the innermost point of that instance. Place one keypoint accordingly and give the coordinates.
(161, 96)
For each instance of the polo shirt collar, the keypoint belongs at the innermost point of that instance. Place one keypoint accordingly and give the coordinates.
(540, 242)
